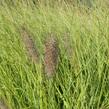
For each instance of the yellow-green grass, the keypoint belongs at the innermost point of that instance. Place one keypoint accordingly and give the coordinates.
(82, 77)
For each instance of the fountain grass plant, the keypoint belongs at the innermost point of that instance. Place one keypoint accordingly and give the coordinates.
(81, 81)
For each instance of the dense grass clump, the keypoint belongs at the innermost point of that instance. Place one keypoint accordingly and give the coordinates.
(81, 79)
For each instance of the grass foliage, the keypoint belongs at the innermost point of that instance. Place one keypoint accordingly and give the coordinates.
(82, 77)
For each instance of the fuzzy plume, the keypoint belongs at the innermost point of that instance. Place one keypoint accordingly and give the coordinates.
(51, 56)
(29, 45)
(3, 105)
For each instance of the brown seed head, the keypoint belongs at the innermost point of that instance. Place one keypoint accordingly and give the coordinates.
(29, 45)
(51, 56)
(3, 105)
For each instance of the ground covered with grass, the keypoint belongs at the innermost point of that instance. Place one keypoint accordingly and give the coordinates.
(81, 80)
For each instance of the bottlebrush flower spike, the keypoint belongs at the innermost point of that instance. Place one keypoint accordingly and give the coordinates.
(51, 55)
(29, 45)
(3, 105)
